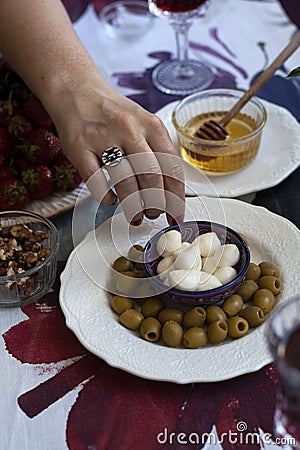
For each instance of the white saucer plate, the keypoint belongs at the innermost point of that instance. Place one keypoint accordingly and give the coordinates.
(278, 157)
(58, 202)
(86, 303)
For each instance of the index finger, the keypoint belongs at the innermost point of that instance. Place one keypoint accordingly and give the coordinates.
(173, 174)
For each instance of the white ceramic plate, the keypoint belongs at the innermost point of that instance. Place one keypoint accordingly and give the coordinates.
(58, 202)
(278, 156)
(88, 314)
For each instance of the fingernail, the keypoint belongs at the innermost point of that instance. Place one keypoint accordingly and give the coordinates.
(152, 217)
(136, 223)
(177, 220)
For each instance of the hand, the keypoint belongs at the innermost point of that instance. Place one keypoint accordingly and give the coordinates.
(89, 115)
(149, 181)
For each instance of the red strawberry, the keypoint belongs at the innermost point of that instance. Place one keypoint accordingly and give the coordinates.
(8, 108)
(19, 127)
(13, 195)
(39, 181)
(6, 143)
(22, 163)
(43, 147)
(65, 175)
(6, 173)
(36, 113)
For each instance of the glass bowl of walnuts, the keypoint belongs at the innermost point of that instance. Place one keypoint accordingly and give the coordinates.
(28, 257)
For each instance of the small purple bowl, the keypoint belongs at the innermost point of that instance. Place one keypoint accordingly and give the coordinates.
(189, 231)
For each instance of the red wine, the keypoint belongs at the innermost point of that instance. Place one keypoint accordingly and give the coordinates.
(290, 383)
(178, 6)
(292, 351)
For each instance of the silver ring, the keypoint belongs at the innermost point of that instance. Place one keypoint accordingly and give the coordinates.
(112, 156)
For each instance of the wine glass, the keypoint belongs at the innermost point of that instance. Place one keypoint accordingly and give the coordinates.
(284, 341)
(180, 76)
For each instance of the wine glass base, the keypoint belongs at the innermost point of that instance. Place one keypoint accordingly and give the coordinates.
(177, 78)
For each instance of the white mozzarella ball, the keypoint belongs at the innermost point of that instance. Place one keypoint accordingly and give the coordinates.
(164, 264)
(184, 246)
(186, 280)
(168, 242)
(188, 259)
(227, 255)
(164, 277)
(209, 264)
(208, 281)
(208, 243)
(225, 274)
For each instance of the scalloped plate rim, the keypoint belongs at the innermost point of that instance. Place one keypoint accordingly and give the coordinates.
(75, 322)
(59, 202)
(239, 188)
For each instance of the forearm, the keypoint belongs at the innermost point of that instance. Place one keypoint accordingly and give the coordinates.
(38, 40)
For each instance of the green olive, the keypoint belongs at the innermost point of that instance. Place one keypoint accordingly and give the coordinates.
(195, 337)
(122, 264)
(264, 298)
(174, 314)
(217, 331)
(195, 317)
(237, 327)
(127, 283)
(247, 289)
(140, 267)
(152, 307)
(150, 329)
(214, 313)
(253, 314)
(243, 236)
(119, 303)
(270, 282)
(232, 305)
(268, 269)
(172, 333)
(131, 319)
(253, 272)
(134, 252)
(139, 274)
(129, 273)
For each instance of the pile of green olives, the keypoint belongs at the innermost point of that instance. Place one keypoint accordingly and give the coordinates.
(198, 326)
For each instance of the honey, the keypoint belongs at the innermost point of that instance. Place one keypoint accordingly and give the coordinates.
(221, 156)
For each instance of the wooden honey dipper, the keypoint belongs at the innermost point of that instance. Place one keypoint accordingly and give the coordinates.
(215, 130)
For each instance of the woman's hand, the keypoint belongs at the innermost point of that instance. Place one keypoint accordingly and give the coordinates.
(149, 179)
(89, 115)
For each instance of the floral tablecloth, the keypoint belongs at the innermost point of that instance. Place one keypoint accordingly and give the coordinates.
(55, 394)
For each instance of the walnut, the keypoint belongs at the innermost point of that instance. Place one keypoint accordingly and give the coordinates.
(21, 248)
(31, 259)
(20, 231)
(4, 231)
(3, 268)
(40, 236)
(7, 247)
(44, 253)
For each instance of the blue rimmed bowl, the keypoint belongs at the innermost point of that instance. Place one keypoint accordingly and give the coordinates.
(189, 231)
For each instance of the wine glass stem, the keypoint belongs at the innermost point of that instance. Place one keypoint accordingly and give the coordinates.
(181, 26)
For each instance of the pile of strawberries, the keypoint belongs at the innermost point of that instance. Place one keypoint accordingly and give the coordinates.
(32, 164)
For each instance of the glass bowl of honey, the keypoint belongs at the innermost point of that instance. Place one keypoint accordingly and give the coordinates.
(224, 156)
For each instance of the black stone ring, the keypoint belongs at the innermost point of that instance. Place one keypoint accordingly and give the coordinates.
(112, 156)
